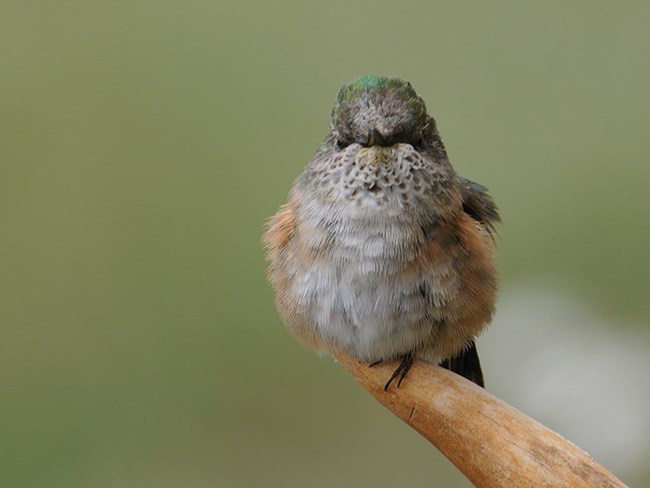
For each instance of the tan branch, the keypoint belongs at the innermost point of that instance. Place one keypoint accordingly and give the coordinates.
(490, 442)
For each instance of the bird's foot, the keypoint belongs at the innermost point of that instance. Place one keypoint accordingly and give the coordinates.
(402, 369)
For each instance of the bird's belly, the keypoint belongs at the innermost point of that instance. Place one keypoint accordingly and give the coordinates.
(377, 294)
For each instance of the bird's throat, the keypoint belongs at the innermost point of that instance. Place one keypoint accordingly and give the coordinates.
(375, 156)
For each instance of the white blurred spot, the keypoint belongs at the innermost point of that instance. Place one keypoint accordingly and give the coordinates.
(585, 378)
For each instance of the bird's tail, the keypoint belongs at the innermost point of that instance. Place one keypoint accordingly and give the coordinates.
(466, 364)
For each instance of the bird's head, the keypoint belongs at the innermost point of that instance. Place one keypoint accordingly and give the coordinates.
(380, 111)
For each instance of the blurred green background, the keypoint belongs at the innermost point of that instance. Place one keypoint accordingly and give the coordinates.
(143, 145)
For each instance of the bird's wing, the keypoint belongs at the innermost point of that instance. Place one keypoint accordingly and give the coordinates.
(478, 204)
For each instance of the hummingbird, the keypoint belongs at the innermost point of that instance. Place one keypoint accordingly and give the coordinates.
(382, 251)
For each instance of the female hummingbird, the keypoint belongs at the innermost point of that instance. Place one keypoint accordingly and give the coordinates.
(382, 251)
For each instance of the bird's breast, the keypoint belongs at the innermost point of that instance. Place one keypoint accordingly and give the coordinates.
(374, 280)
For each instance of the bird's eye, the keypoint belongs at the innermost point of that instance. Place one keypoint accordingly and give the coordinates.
(338, 145)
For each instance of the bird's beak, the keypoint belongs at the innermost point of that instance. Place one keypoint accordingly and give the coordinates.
(373, 138)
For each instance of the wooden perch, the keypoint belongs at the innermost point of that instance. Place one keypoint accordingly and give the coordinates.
(490, 442)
